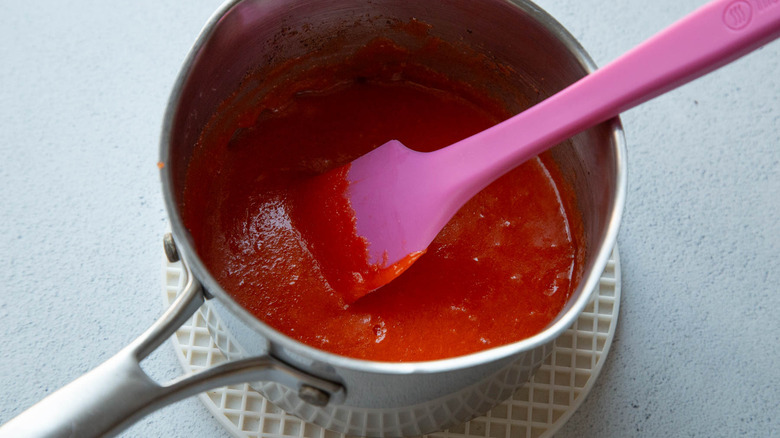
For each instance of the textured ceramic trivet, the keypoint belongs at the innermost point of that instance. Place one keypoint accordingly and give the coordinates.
(538, 409)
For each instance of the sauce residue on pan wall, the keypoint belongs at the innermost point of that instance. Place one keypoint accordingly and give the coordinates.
(499, 272)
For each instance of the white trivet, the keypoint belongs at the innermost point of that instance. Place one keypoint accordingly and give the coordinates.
(538, 409)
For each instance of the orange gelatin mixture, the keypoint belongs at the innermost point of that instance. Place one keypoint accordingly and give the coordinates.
(499, 272)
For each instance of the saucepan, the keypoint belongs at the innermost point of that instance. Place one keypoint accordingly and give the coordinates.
(356, 397)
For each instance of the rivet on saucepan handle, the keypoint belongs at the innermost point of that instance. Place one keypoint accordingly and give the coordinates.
(313, 396)
(170, 248)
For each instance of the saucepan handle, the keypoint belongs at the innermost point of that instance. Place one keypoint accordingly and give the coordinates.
(118, 392)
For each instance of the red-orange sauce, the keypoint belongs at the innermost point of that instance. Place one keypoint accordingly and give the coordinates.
(499, 272)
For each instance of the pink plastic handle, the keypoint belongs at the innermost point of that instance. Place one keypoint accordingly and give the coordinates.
(403, 198)
(706, 39)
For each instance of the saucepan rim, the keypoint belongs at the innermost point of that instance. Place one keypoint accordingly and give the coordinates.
(590, 279)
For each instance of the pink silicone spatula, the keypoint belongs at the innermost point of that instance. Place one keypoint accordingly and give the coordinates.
(402, 198)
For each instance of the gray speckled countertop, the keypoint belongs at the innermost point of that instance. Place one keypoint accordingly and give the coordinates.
(83, 87)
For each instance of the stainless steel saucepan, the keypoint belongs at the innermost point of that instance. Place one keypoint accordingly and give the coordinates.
(352, 396)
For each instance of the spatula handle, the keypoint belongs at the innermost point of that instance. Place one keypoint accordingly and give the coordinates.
(706, 39)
